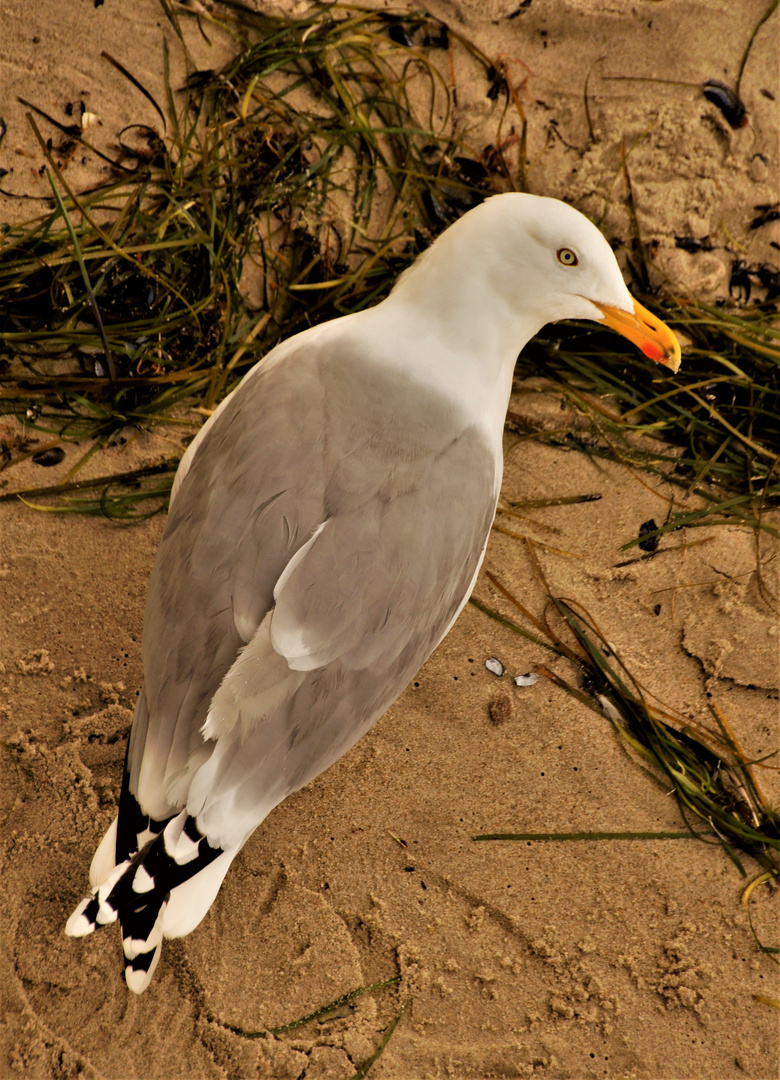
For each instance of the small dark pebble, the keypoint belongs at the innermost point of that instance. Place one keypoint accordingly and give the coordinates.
(494, 89)
(651, 542)
(740, 284)
(770, 280)
(692, 243)
(397, 33)
(500, 709)
(472, 171)
(523, 7)
(47, 458)
(769, 213)
(440, 41)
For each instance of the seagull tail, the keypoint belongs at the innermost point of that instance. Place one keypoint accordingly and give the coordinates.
(104, 860)
(163, 890)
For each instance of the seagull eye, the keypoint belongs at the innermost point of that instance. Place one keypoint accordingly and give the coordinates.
(567, 257)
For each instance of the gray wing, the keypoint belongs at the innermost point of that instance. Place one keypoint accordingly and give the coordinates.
(325, 537)
(251, 496)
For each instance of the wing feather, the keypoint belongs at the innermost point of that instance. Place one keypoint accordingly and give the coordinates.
(324, 537)
(250, 495)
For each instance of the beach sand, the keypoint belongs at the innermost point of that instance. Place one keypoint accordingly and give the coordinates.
(629, 959)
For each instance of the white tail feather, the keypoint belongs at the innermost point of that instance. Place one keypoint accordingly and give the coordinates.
(78, 925)
(189, 902)
(104, 859)
(138, 980)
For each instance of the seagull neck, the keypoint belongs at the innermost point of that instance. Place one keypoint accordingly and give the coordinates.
(460, 337)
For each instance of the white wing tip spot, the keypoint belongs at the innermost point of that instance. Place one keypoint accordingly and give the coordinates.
(138, 980)
(133, 947)
(182, 849)
(143, 881)
(79, 925)
(106, 914)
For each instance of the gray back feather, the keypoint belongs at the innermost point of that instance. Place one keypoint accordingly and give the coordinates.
(403, 488)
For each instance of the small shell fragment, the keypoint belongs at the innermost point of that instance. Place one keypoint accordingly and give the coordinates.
(526, 680)
(727, 100)
(495, 666)
(50, 457)
(609, 709)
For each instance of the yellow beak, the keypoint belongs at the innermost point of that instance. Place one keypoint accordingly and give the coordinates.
(652, 336)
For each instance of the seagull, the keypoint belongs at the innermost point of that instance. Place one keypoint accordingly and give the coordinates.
(326, 528)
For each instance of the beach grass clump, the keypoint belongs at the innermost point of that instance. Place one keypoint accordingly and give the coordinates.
(703, 765)
(290, 187)
(711, 432)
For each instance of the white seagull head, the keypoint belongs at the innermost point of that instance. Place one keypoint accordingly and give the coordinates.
(543, 261)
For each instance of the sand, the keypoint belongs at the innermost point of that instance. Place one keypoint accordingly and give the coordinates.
(554, 960)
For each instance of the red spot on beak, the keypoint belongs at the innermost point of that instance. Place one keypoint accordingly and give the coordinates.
(652, 350)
